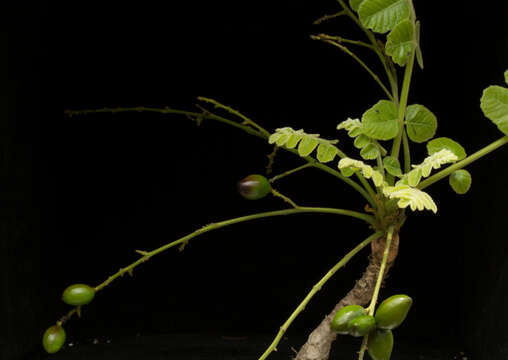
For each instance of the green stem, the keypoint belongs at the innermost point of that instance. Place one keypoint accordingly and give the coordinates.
(289, 172)
(340, 39)
(315, 289)
(285, 198)
(392, 77)
(146, 255)
(407, 153)
(406, 84)
(379, 281)
(234, 112)
(328, 17)
(248, 129)
(365, 66)
(459, 165)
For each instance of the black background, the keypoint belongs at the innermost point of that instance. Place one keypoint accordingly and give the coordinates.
(82, 193)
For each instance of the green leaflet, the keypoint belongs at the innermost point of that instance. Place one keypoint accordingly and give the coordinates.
(380, 121)
(382, 15)
(421, 123)
(355, 4)
(367, 171)
(494, 104)
(392, 166)
(369, 148)
(409, 196)
(460, 181)
(433, 161)
(441, 143)
(506, 76)
(306, 143)
(401, 42)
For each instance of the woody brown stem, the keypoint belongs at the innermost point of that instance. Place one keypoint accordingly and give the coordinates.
(320, 340)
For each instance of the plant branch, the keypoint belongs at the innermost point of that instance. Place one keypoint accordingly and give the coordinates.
(365, 66)
(285, 198)
(367, 194)
(459, 165)
(289, 172)
(328, 17)
(146, 255)
(340, 39)
(407, 152)
(315, 289)
(234, 112)
(406, 84)
(392, 76)
(372, 305)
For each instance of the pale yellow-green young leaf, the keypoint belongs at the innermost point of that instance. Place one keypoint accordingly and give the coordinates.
(361, 141)
(353, 127)
(460, 181)
(409, 196)
(401, 42)
(293, 139)
(326, 152)
(307, 145)
(369, 152)
(433, 161)
(382, 15)
(494, 104)
(367, 171)
(438, 144)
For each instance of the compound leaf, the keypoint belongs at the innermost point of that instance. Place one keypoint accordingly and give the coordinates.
(409, 196)
(367, 171)
(380, 121)
(421, 123)
(369, 152)
(494, 104)
(382, 15)
(460, 181)
(433, 161)
(441, 143)
(306, 143)
(401, 42)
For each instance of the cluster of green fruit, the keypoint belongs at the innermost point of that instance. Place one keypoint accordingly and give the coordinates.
(354, 320)
(76, 295)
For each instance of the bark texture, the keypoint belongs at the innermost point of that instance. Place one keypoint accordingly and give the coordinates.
(320, 340)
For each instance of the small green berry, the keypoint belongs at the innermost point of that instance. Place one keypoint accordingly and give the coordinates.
(392, 312)
(361, 326)
(344, 316)
(78, 294)
(380, 344)
(254, 187)
(53, 339)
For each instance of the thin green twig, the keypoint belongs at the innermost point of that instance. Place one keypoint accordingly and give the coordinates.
(360, 61)
(340, 39)
(285, 198)
(372, 305)
(315, 289)
(459, 165)
(289, 172)
(324, 18)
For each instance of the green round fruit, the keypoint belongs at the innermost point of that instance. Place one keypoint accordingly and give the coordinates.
(78, 294)
(392, 312)
(361, 326)
(380, 344)
(344, 316)
(254, 187)
(53, 339)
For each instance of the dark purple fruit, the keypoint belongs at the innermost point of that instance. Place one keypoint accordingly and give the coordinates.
(254, 187)
(53, 339)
